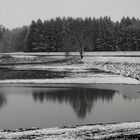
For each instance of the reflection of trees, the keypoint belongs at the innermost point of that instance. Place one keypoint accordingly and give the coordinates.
(81, 99)
(2, 100)
(127, 98)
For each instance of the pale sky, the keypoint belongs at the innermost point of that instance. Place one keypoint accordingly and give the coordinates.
(16, 13)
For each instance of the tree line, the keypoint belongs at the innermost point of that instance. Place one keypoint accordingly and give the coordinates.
(14, 40)
(73, 34)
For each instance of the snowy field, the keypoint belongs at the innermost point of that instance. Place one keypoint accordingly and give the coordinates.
(130, 57)
(112, 59)
(125, 53)
(80, 70)
(78, 74)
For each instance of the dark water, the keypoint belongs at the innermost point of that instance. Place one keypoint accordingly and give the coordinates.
(27, 107)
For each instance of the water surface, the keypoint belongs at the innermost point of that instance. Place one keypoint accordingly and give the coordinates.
(25, 107)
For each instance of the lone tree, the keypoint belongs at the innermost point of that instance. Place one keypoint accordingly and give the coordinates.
(80, 35)
(81, 43)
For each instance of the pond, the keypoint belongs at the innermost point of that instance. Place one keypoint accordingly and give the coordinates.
(43, 107)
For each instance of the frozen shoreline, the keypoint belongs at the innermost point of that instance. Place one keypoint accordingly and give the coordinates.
(97, 132)
(115, 79)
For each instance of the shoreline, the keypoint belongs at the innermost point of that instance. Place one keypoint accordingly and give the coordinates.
(127, 130)
(99, 79)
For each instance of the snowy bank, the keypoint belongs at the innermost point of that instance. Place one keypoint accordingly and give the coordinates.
(97, 132)
(98, 78)
(127, 69)
(127, 66)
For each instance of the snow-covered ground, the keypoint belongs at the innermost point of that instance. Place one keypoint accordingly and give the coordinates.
(97, 132)
(84, 75)
(58, 67)
(118, 53)
(81, 72)
(98, 78)
(112, 59)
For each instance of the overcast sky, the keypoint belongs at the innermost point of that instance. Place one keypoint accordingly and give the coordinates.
(15, 13)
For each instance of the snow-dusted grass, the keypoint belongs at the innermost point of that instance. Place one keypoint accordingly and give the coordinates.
(127, 69)
(114, 53)
(81, 70)
(58, 67)
(24, 56)
(97, 78)
(112, 59)
(84, 72)
(97, 132)
(128, 66)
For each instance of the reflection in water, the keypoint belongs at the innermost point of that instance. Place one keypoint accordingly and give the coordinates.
(127, 98)
(44, 107)
(3, 100)
(81, 99)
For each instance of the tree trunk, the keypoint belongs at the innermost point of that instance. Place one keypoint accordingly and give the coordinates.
(81, 53)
